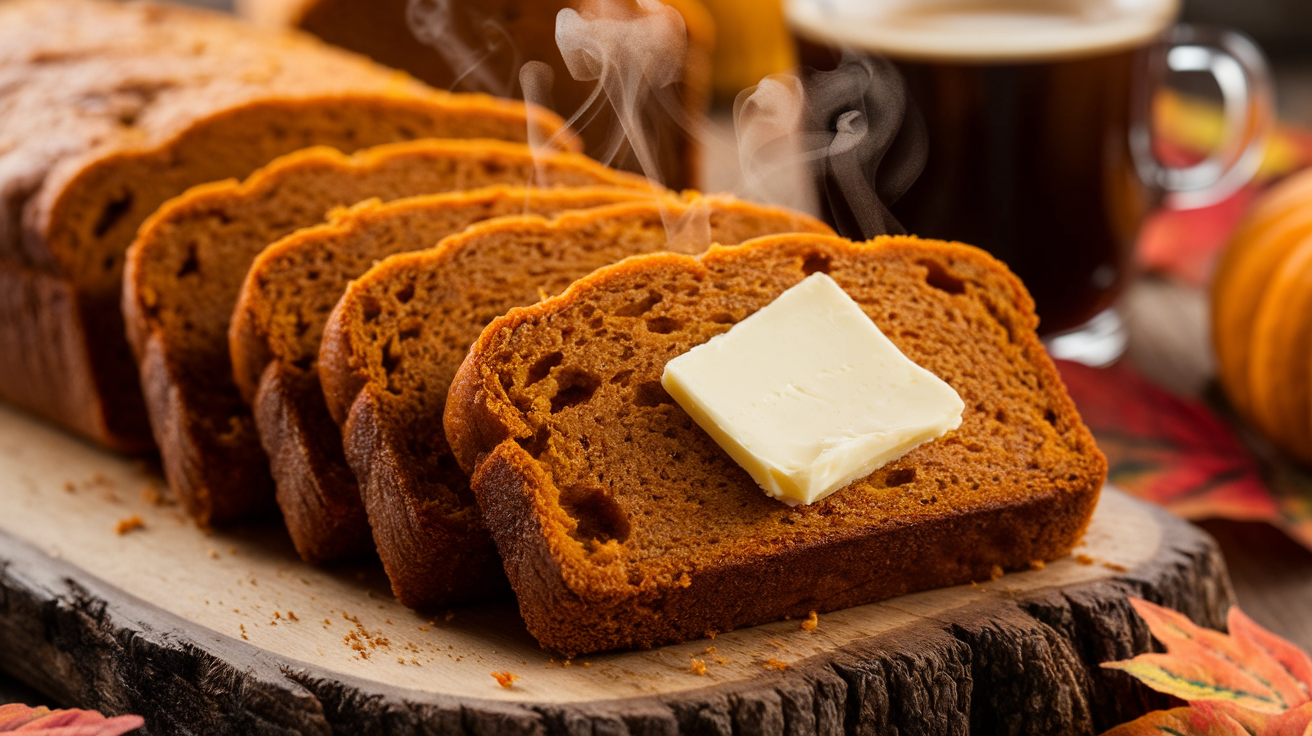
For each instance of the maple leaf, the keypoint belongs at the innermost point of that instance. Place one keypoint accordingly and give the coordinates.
(17, 718)
(1249, 682)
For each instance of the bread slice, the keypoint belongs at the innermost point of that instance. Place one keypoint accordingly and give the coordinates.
(278, 324)
(622, 524)
(394, 341)
(525, 31)
(189, 260)
(111, 108)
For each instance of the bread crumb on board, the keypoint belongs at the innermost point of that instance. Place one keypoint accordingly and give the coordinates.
(505, 679)
(774, 664)
(1084, 559)
(811, 623)
(697, 666)
(996, 573)
(128, 524)
(1037, 564)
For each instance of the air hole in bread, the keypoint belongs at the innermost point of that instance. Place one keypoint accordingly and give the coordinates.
(899, 477)
(391, 357)
(312, 275)
(663, 325)
(722, 318)
(1050, 417)
(543, 366)
(112, 213)
(107, 265)
(938, 277)
(370, 308)
(637, 309)
(573, 388)
(599, 517)
(405, 293)
(651, 393)
(622, 378)
(410, 333)
(815, 263)
(190, 264)
(1001, 416)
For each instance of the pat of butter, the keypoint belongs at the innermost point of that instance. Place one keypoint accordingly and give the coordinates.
(808, 395)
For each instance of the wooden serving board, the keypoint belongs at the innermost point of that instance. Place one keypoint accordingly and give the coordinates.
(229, 632)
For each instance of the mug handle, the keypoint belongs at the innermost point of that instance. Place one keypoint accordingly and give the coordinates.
(1244, 77)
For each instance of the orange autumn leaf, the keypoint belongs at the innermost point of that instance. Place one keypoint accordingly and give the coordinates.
(1218, 719)
(16, 718)
(1201, 664)
(1249, 682)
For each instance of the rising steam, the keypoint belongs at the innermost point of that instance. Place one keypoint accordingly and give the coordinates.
(636, 56)
(845, 143)
(435, 23)
(852, 131)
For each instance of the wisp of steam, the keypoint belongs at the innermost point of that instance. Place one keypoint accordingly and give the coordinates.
(854, 132)
(435, 23)
(635, 53)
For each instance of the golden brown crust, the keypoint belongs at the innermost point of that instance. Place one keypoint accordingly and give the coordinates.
(621, 524)
(186, 267)
(278, 324)
(397, 335)
(111, 108)
(315, 488)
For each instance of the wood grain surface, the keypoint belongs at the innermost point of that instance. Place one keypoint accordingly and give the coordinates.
(230, 633)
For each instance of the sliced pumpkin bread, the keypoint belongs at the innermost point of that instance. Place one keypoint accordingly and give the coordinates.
(278, 324)
(188, 262)
(623, 524)
(107, 109)
(394, 341)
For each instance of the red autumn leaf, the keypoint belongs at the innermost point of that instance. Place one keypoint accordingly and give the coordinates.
(16, 718)
(1166, 449)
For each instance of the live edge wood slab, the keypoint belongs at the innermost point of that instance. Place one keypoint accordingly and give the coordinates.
(230, 633)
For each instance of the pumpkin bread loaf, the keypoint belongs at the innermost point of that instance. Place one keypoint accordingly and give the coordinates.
(621, 522)
(394, 341)
(106, 110)
(278, 324)
(188, 262)
(525, 30)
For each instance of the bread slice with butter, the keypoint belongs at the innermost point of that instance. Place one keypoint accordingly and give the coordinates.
(396, 337)
(622, 524)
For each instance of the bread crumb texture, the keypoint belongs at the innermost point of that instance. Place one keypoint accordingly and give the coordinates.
(602, 494)
(505, 679)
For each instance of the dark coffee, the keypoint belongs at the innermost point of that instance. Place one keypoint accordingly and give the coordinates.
(1028, 158)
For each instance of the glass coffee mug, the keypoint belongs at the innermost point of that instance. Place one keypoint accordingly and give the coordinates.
(1037, 115)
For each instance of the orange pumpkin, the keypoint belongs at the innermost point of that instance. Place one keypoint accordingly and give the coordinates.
(1262, 316)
